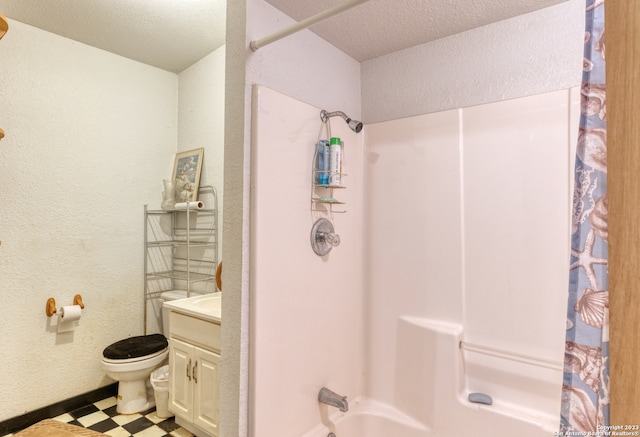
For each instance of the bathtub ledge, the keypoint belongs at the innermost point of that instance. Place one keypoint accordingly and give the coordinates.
(435, 325)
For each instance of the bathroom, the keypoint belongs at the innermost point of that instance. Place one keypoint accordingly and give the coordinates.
(89, 138)
(347, 85)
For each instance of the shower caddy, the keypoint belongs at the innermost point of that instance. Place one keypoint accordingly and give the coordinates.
(322, 194)
(181, 249)
(322, 199)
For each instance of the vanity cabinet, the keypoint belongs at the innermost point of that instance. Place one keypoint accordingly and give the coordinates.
(194, 373)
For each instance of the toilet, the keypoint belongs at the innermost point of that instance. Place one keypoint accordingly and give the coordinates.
(131, 361)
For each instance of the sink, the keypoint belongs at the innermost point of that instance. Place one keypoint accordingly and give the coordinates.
(207, 307)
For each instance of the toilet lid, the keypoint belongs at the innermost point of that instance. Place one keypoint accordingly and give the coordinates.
(135, 347)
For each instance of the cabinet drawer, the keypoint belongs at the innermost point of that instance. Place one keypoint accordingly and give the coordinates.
(196, 331)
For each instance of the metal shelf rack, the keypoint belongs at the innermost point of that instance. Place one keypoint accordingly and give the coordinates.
(181, 250)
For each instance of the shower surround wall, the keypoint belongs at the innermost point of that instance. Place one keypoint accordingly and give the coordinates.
(309, 331)
(468, 219)
(466, 222)
(419, 80)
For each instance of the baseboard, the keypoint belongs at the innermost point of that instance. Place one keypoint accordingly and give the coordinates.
(18, 423)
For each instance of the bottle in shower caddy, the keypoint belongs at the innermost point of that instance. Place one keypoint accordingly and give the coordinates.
(322, 163)
(335, 161)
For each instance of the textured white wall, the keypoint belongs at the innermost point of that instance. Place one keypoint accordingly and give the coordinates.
(235, 329)
(89, 136)
(303, 65)
(201, 120)
(530, 54)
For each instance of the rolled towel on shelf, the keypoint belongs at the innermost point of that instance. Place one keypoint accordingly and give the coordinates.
(190, 205)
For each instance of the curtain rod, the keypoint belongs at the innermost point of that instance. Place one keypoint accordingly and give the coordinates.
(256, 44)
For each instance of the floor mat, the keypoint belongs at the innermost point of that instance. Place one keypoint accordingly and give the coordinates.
(53, 428)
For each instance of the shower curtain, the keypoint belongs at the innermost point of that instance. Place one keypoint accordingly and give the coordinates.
(585, 390)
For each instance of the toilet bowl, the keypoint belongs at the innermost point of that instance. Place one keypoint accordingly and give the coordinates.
(130, 362)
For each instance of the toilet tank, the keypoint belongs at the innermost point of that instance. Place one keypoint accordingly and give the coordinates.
(165, 297)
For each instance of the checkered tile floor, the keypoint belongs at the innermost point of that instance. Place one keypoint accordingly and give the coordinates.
(101, 416)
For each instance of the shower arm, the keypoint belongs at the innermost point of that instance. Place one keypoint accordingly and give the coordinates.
(354, 125)
(324, 115)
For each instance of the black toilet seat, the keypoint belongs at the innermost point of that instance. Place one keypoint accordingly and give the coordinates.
(136, 347)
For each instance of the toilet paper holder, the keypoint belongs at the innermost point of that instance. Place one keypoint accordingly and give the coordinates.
(50, 308)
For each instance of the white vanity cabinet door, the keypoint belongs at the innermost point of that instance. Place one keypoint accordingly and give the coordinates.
(194, 373)
(181, 363)
(206, 388)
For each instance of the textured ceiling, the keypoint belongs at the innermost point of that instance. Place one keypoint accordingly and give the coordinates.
(168, 34)
(379, 27)
(173, 34)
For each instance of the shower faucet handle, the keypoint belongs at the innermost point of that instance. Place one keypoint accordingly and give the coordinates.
(331, 238)
(323, 237)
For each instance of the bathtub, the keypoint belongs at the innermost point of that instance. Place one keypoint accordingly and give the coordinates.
(434, 375)
(370, 418)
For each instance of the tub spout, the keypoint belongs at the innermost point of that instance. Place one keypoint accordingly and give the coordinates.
(328, 397)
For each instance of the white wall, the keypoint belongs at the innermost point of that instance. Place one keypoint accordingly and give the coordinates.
(201, 120)
(530, 54)
(200, 116)
(235, 329)
(89, 138)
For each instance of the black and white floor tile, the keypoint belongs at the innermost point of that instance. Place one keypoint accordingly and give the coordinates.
(101, 416)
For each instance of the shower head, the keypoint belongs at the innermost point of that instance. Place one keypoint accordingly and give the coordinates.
(354, 125)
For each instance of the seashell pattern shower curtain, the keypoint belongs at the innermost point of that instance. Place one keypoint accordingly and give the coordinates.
(585, 390)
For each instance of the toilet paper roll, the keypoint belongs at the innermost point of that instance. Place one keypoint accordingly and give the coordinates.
(67, 317)
(70, 313)
(190, 205)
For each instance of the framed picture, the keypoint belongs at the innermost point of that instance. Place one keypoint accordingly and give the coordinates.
(186, 174)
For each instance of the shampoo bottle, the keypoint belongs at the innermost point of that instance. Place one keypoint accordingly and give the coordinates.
(335, 161)
(322, 163)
